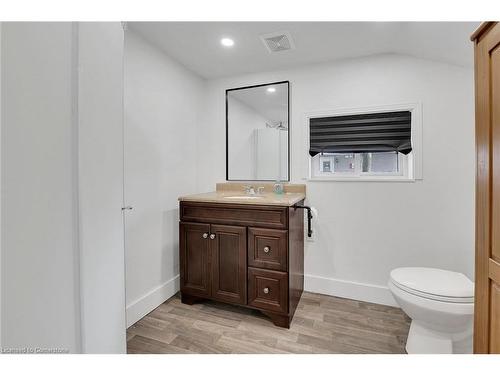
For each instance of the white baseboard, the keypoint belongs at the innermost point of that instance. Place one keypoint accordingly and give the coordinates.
(349, 289)
(151, 300)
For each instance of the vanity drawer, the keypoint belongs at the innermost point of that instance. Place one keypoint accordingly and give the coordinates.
(267, 248)
(234, 214)
(268, 290)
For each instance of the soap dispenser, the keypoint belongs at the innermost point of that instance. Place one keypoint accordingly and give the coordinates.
(278, 187)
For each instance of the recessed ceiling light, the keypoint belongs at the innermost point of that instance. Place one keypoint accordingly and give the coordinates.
(271, 89)
(227, 42)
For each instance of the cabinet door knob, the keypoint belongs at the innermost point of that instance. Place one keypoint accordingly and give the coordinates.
(212, 236)
(267, 249)
(266, 290)
(205, 235)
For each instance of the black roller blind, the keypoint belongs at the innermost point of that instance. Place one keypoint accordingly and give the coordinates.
(372, 132)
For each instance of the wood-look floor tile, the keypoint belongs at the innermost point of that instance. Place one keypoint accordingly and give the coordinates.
(238, 346)
(152, 322)
(164, 336)
(173, 319)
(195, 334)
(211, 327)
(201, 315)
(309, 314)
(322, 324)
(332, 345)
(346, 309)
(307, 301)
(373, 341)
(249, 336)
(144, 345)
(277, 333)
(358, 331)
(130, 334)
(294, 347)
(367, 323)
(304, 322)
(309, 330)
(239, 314)
(226, 310)
(382, 308)
(258, 319)
(195, 346)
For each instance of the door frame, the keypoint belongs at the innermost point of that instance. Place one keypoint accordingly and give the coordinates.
(484, 268)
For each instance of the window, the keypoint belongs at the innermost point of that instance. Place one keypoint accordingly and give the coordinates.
(369, 145)
(366, 164)
(380, 162)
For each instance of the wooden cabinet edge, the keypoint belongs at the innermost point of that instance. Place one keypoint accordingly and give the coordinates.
(481, 30)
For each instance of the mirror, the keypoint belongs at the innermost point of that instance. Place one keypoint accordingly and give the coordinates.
(257, 136)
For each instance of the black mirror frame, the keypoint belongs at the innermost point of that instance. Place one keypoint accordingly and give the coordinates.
(227, 124)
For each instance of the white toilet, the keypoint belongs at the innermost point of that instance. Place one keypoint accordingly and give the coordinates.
(441, 306)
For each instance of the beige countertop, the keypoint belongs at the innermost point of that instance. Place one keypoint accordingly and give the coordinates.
(224, 195)
(266, 199)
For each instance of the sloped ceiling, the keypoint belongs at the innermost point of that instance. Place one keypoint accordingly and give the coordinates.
(197, 44)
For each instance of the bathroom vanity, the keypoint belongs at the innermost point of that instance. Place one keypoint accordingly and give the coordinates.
(242, 249)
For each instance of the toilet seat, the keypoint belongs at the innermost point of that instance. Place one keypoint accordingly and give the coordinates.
(434, 284)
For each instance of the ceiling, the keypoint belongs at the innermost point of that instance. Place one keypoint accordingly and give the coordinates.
(197, 44)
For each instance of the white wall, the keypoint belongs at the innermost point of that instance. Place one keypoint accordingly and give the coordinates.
(162, 102)
(40, 299)
(365, 229)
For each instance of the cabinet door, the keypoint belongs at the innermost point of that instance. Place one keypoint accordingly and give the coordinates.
(229, 263)
(194, 244)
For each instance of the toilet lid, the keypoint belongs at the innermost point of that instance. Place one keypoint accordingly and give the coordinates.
(434, 283)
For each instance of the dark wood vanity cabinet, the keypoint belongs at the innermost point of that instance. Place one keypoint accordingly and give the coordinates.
(194, 257)
(229, 263)
(249, 255)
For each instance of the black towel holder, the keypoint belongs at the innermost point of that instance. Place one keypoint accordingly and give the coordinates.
(309, 218)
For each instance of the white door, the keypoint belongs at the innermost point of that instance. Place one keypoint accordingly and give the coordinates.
(100, 143)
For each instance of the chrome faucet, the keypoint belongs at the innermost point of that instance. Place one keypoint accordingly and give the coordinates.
(249, 190)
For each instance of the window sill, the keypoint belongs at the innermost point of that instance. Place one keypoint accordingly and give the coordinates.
(359, 179)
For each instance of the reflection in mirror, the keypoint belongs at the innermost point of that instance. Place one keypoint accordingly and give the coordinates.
(257, 132)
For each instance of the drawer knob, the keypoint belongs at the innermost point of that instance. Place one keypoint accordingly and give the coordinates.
(267, 249)
(212, 236)
(266, 290)
(205, 235)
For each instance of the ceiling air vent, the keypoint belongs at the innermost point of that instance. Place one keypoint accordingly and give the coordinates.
(279, 41)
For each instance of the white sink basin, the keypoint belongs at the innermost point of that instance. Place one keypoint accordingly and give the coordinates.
(250, 197)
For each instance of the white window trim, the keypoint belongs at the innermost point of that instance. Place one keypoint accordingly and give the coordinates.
(415, 167)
